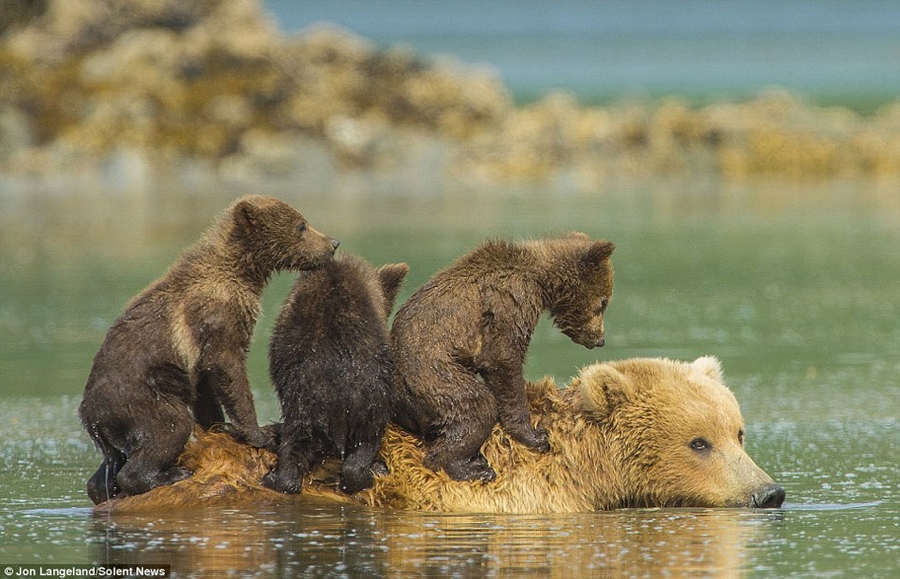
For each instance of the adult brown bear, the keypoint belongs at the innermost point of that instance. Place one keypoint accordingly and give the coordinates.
(634, 433)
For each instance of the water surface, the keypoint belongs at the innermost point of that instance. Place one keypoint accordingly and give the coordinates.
(796, 289)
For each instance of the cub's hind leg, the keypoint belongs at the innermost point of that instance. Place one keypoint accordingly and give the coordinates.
(153, 449)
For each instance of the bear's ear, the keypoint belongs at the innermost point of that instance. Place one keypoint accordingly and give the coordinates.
(709, 366)
(597, 253)
(579, 235)
(603, 389)
(391, 277)
(245, 215)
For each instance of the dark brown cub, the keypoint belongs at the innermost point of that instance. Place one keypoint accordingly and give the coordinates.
(460, 341)
(330, 361)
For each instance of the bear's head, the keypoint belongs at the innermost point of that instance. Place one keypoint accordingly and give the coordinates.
(275, 236)
(581, 286)
(675, 434)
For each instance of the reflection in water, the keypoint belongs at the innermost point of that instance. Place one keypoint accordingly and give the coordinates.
(326, 539)
(831, 506)
(842, 519)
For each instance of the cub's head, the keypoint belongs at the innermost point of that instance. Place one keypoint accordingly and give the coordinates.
(677, 433)
(353, 280)
(581, 287)
(276, 236)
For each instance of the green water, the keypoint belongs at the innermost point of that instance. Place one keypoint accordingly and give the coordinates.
(795, 289)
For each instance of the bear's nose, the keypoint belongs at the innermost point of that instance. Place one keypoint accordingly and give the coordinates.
(769, 497)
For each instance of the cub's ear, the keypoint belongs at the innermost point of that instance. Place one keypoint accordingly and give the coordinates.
(245, 214)
(597, 253)
(579, 235)
(709, 366)
(602, 389)
(391, 278)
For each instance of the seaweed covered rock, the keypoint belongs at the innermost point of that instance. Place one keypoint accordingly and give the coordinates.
(176, 78)
(168, 81)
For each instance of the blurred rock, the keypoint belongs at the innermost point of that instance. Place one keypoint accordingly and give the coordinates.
(15, 132)
(19, 13)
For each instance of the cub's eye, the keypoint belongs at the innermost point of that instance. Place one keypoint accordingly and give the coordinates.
(301, 228)
(741, 437)
(700, 444)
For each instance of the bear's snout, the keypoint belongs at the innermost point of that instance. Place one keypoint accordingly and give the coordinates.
(590, 342)
(768, 497)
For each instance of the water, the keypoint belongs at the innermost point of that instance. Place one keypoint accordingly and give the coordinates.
(831, 50)
(795, 288)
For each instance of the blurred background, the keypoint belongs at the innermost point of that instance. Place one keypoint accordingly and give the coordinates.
(834, 52)
(384, 97)
(743, 155)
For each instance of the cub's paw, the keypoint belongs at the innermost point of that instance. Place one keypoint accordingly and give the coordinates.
(352, 483)
(544, 437)
(173, 475)
(475, 469)
(536, 439)
(380, 469)
(266, 437)
(279, 483)
(262, 438)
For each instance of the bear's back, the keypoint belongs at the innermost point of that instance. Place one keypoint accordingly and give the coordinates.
(331, 325)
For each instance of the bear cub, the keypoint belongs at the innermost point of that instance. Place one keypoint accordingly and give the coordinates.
(330, 361)
(177, 354)
(459, 343)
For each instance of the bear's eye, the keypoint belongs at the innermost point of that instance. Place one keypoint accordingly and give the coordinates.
(301, 228)
(700, 444)
(741, 437)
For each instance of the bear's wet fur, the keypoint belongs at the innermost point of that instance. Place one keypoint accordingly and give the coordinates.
(176, 356)
(460, 342)
(330, 361)
(623, 435)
